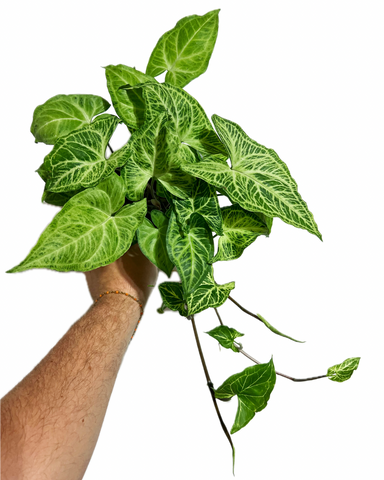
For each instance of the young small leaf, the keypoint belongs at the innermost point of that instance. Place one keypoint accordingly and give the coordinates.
(240, 229)
(62, 114)
(274, 330)
(203, 200)
(86, 234)
(152, 241)
(208, 294)
(173, 297)
(185, 50)
(343, 371)
(225, 336)
(78, 160)
(192, 252)
(253, 387)
(258, 180)
(129, 104)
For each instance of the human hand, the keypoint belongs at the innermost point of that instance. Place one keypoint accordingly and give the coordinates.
(131, 273)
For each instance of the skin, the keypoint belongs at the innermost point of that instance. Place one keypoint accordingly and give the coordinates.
(51, 420)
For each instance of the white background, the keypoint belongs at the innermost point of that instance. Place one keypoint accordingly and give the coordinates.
(302, 77)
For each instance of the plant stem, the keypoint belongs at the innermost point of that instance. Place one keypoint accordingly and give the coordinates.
(210, 384)
(244, 309)
(254, 359)
(110, 148)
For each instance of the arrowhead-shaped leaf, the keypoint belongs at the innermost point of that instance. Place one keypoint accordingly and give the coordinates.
(253, 387)
(86, 233)
(52, 198)
(185, 50)
(190, 121)
(78, 160)
(173, 297)
(203, 200)
(240, 229)
(274, 330)
(192, 252)
(152, 152)
(257, 180)
(62, 114)
(343, 371)
(225, 336)
(152, 241)
(208, 294)
(129, 104)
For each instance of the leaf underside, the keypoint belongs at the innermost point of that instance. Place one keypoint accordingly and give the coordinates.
(225, 336)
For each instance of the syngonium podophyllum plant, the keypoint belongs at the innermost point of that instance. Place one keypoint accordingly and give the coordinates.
(161, 190)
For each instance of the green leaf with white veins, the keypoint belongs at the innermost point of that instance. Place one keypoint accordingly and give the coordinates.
(192, 252)
(208, 294)
(86, 233)
(62, 114)
(203, 200)
(152, 153)
(185, 50)
(257, 180)
(253, 387)
(78, 160)
(225, 336)
(173, 297)
(240, 229)
(190, 121)
(152, 241)
(129, 104)
(343, 371)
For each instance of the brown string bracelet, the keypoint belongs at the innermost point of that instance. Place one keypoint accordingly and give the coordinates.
(127, 295)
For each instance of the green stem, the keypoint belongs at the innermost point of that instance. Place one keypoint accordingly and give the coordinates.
(244, 309)
(210, 386)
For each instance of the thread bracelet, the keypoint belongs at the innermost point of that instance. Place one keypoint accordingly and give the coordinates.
(127, 295)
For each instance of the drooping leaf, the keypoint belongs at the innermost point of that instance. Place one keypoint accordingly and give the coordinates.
(185, 50)
(203, 200)
(225, 336)
(274, 330)
(253, 387)
(240, 229)
(343, 371)
(78, 160)
(129, 104)
(208, 294)
(173, 297)
(190, 121)
(191, 252)
(62, 114)
(152, 241)
(257, 180)
(152, 152)
(87, 233)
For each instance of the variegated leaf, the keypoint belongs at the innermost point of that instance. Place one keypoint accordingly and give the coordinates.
(78, 160)
(152, 241)
(191, 123)
(184, 52)
(257, 180)
(173, 297)
(343, 371)
(87, 233)
(253, 387)
(208, 294)
(225, 336)
(203, 200)
(129, 104)
(62, 114)
(152, 152)
(240, 229)
(192, 252)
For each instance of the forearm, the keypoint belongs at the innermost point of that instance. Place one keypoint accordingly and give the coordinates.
(52, 419)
